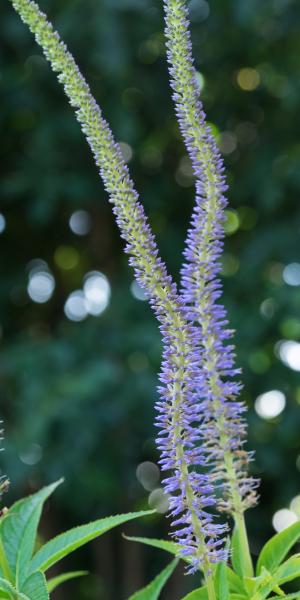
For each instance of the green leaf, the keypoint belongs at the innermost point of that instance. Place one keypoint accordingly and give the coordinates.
(235, 582)
(287, 596)
(18, 531)
(288, 571)
(199, 594)
(170, 547)
(10, 591)
(35, 587)
(152, 591)
(67, 542)
(221, 582)
(56, 581)
(251, 585)
(276, 549)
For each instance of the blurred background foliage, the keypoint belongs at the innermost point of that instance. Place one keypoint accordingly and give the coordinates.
(80, 350)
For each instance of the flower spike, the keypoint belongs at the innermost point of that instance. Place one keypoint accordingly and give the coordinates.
(201, 287)
(180, 412)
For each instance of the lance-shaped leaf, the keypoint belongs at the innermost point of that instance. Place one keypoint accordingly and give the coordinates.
(35, 587)
(170, 547)
(288, 571)
(276, 549)
(18, 531)
(221, 582)
(9, 591)
(199, 594)
(67, 542)
(54, 582)
(152, 591)
(235, 582)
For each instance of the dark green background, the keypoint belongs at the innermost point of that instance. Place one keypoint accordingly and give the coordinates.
(85, 391)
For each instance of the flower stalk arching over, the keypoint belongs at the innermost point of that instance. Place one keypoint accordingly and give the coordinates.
(201, 288)
(201, 422)
(180, 412)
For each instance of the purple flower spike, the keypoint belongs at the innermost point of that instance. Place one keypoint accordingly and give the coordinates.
(184, 455)
(201, 287)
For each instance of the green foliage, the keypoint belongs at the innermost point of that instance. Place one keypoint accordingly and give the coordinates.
(18, 532)
(22, 567)
(53, 371)
(152, 591)
(54, 582)
(166, 545)
(233, 584)
(221, 582)
(9, 591)
(199, 594)
(35, 587)
(65, 543)
(276, 549)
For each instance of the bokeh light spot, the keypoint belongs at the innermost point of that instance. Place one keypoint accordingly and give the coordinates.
(80, 222)
(41, 285)
(267, 308)
(97, 292)
(2, 223)
(232, 221)
(230, 264)
(137, 292)
(259, 362)
(248, 79)
(283, 518)
(32, 455)
(295, 506)
(270, 404)
(200, 80)
(289, 354)
(127, 151)
(75, 306)
(66, 257)
(228, 142)
(148, 475)
(159, 500)
(198, 10)
(291, 274)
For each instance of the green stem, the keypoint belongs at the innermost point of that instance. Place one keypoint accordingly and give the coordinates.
(246, 559)
(210, 587)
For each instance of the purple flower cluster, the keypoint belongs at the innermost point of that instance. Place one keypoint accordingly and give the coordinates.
(201, 429)
(201, 287)
(180, 412)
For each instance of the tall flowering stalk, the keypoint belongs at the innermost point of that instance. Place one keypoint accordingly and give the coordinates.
(201, 287)
(180, 410)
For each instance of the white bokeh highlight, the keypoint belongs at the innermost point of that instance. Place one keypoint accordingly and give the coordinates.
(291, 274)
(80, 222)
(75, 306)
(137, 292)
(148, 475)
(283, 518)
(270, 404)
(289, 353)
(97, 292)
(159, 501)
(2, 223)
(41, 284)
